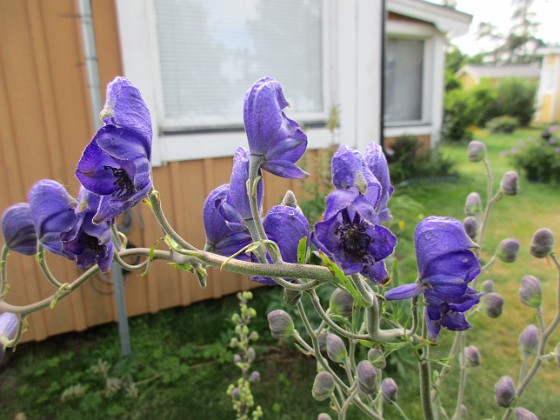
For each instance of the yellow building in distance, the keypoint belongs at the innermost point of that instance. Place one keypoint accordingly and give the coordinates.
(548, 95)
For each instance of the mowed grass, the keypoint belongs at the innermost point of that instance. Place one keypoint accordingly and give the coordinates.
(536, 206)
(182, 364)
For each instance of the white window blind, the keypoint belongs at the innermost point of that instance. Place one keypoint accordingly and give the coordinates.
(212, 51)
(404, 72)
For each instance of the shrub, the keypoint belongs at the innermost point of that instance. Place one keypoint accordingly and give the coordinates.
(539, 160)
(516, 97)
(409, 159)
(505, 124)
(458, 116)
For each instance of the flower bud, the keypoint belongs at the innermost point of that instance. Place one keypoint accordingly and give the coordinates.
(234, 343)
(488, 286)
(8, 326)
(473, 204)
(280, 324)
(476, 151)
(247, 295)
(290, 199)
(255, 377)
(542, 243)
(254, 336)
(323, 386)
(377, 358)
(18, 229)
(494, 304)
(341, 303)
(509, 183)
(324, 416)
(472, 356)
(530, 291)
(367, 377)
(389, 389)
(471, 226)
(251, 355)
(507, 250)
(504, 391)
(235, 394)
(336, 350)
(524, 414)
(529, 340)
(236, 359)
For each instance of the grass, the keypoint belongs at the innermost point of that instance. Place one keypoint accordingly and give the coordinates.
(181, 362)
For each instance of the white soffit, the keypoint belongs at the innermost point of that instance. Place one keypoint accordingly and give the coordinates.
(444, 18)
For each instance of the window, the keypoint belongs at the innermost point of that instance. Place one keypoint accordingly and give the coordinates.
(211, 51)
(404, 69)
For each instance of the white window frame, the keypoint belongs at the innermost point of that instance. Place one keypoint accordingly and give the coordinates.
(174, 140)
(432, 83)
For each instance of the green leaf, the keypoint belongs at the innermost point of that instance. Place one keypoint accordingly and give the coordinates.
(344, 281)
(183, 267)
(302, 250)
(368, 344)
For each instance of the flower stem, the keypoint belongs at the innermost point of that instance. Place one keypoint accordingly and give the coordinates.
(425, 382)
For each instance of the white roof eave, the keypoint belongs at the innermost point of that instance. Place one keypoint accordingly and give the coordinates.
(445, 19)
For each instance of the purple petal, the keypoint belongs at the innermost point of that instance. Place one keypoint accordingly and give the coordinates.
(284, 169)
(18, 229)
(125, 107)
(455, 321)
(405, 291)
(438, 236)
(121, 143)
(52, 211)
(346, 165)
(377, 163)
(286, 226)
(93, 170)
(376, 272)
(382, 242)
(338, 200)
(262, 114)
(449, 274)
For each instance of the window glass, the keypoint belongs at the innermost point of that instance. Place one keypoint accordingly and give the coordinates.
(404, 72)
(211, 51)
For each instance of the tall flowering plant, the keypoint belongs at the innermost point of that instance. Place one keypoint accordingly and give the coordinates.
(348, 249)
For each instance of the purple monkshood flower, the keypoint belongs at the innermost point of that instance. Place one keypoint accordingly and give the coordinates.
(274, 137)
(238, 184)
(285, 226)
(116, 163)
(353, 238)
(64, 226)
(446, 265)
(18, 229)
(225, 232)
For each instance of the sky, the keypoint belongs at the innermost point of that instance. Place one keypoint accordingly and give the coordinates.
(499, 12)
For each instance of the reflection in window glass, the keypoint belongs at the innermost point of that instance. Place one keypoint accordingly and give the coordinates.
(212, 51)
(404, 63)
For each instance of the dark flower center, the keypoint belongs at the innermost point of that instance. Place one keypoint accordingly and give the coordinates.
(354, 239)
(123, 181)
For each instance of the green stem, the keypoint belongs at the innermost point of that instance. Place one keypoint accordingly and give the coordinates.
(425, 382)
(462, 376)
(155, 202)
(3, 263)
(42, 260)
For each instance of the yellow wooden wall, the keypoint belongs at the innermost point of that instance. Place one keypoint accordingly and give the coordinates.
(44, 126)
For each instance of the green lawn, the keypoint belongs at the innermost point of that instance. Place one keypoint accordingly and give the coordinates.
(182, 366)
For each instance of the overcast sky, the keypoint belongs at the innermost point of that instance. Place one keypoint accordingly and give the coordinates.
(499, 12)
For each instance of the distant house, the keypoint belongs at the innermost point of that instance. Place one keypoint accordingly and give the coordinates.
(473, 74)
(548, 95)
